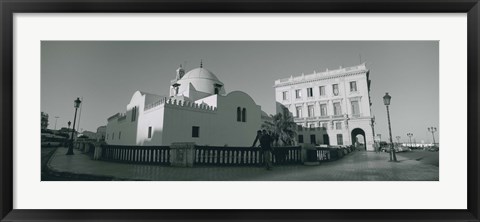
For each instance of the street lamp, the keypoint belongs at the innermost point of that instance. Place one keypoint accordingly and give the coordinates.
(76, 104)
(386, 101)
(68, 130)
(373, 133)
(433, 130)
(410, 136)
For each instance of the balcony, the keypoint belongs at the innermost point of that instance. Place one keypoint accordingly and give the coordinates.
(341, 116)
(357, 115)
(324, 117)
(299, 119)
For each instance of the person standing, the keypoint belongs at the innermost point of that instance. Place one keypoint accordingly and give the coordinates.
(265, 143)
(259, 135)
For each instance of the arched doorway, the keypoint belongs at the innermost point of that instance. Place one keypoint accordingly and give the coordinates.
(358, 139)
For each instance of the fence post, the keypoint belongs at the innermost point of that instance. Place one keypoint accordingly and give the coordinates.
(309, 155)
(98, 151)
(182, 154)
(86, 147)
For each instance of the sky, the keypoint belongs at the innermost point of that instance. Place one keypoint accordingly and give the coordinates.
(107, 73)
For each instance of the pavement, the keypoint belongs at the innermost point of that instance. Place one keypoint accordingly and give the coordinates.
(356, 166)
(423, 156)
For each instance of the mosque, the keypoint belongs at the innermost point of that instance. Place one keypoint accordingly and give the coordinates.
(197, 110)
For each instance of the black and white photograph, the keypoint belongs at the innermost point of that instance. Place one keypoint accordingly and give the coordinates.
(249, 111)
(240, 111)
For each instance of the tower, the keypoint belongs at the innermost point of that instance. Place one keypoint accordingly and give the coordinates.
(180, 72)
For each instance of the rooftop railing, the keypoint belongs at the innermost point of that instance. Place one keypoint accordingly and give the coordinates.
(322, 74)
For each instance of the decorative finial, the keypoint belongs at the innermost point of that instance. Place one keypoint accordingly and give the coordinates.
(201, 63)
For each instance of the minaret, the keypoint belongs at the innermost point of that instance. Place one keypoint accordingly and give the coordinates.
(180, 72)
(175, 85)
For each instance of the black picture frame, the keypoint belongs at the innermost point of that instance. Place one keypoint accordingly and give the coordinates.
(9, 7)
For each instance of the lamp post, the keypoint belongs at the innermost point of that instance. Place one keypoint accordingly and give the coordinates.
(433, 130)
(386, 101)
(410, 136)
(68, 130)
(373, 133)
(76, 104)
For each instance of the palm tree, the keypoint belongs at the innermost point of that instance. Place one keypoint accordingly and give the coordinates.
(44, 120)
(282, 128)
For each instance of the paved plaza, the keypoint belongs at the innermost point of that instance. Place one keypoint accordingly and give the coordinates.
(356, 166)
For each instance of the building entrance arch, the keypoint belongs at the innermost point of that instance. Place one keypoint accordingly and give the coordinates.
(356, 140)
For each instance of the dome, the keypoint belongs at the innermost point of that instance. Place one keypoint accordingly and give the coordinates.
(200, 73)
(202, 80)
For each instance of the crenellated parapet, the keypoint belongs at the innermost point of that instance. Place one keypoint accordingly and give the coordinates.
(187, 105)
(122, 117)
(118, 117)
(155, 104)
(182, 104)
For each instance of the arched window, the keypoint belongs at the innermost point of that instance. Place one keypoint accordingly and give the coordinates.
(244, 115)
(239, 115)
(134, 113)
(217, 88)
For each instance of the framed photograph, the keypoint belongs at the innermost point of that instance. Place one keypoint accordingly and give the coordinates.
(264, 110)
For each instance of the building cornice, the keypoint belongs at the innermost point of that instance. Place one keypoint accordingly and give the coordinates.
(314, 77)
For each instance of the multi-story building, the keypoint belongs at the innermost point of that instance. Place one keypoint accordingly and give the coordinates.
(337, 101)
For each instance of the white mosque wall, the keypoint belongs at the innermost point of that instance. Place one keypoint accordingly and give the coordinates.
(242, 133)
(193, 94)
(196, 104)
(217, 126)
(179, 121)
(153, 118)
(123, 130)
(120, 131)
(200, 85)
(210, 100)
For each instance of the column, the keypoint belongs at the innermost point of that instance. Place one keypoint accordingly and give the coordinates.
(182, 154)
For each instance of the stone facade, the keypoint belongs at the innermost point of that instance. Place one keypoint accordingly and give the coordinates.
(337, 101)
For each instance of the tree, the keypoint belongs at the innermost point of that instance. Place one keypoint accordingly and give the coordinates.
(44, 120)
(282, 128)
